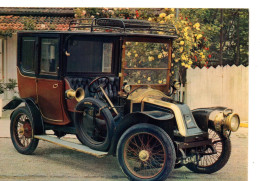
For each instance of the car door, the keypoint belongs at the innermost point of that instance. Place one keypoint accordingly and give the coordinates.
(49, 87)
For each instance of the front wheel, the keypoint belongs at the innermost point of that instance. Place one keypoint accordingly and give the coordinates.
(211, 162)
(146, 152)
(21, 130)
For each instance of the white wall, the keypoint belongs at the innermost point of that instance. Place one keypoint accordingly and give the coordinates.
(10, 62)
(222, 86)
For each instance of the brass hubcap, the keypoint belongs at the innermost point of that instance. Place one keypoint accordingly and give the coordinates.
(21, 131)
(144, 155)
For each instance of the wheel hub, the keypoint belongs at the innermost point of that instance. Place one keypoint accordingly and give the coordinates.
(27, 130)
(21, 131)
(144, 155)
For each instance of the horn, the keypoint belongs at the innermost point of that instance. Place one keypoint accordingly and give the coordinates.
(78, 94)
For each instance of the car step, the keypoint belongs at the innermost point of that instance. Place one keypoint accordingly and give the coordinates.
(71, 145)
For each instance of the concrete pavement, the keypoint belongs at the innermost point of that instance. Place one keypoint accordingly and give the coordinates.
(5, 127)
(51, 162)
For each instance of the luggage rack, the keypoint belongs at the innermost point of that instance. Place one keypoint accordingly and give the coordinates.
(121, 25)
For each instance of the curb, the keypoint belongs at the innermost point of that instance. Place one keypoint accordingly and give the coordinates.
(244, 125)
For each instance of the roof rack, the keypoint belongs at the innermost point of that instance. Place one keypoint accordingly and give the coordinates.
(121, 25)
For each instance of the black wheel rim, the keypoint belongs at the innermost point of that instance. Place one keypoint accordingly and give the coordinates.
(211, 158)
(144, 155)
(22, 130)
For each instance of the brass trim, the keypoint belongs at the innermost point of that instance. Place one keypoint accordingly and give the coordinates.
(78, 94)
(109, 101)
(140, 94)
(67, 54)
(177, 112)
(55, 120)
(55, 86)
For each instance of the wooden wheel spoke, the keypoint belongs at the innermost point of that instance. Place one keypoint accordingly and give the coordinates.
(158, 152)
(147, 150)
(134, 143)
(148, 141)
(155, 145)
(141, 141)
(131, 150)
(155, 160)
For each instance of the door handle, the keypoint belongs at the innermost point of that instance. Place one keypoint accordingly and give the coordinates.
(55, 86)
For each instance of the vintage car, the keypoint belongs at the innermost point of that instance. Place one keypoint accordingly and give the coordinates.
(108, 81)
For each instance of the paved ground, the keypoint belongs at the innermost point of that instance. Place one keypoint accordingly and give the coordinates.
(51, 162)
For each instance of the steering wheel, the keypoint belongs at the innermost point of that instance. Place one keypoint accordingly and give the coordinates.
(95, 88)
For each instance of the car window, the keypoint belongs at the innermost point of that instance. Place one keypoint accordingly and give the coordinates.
(89, 56)
(28, 52)
(49, 56)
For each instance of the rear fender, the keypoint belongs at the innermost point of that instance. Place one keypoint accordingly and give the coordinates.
(33, 109)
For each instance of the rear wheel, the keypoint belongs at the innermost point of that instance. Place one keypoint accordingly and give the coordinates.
(146, 152)
(211, 162)
(21, 130)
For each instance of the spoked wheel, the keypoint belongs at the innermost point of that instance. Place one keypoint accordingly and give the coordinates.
(21, 130)
(146, 152)
(214, 158)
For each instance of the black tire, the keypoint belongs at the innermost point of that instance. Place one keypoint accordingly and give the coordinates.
(79, 139)
(21, 131)
(157, 153)
(95, 140)
(212, 163)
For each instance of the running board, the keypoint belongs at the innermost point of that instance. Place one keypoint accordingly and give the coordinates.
(71, 145)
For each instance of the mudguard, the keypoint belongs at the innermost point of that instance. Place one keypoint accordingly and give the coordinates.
(153, 117)
(202, 115)
(33, 109)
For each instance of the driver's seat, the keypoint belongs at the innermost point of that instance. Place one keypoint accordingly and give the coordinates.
(83, 82)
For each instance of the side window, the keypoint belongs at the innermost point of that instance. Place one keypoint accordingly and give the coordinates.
(49, 56)
(28, 51)
(89, 56)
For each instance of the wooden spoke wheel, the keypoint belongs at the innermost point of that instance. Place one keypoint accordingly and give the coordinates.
(144, 155)
(145, 152)
(21, 130)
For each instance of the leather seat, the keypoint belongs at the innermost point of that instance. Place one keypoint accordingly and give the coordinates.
(83, 82)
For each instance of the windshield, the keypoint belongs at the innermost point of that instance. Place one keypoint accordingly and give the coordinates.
(146, 63)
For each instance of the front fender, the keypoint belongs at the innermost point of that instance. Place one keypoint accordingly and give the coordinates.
(202, 116)
(33, 109)
(159, 118)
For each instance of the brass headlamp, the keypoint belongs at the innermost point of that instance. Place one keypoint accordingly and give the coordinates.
(226, 118)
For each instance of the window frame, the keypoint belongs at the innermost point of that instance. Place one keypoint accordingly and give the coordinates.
(37, 59)
(19, 55)
(44, 74)
(149, 40)
(49, 76)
